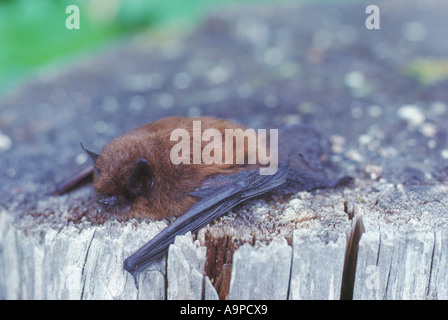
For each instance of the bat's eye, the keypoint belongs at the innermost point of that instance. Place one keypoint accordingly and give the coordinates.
(107, 202)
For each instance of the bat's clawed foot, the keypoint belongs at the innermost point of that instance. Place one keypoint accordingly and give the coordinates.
(345, 181)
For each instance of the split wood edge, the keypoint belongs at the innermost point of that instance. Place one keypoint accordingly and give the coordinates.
(87, 264)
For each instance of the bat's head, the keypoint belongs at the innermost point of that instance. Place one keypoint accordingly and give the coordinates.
(118, 187)
(134, 177)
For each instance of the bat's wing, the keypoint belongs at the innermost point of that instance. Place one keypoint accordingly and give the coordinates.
(298, 180)
(69, 184)
(300, 145)
(218, 195)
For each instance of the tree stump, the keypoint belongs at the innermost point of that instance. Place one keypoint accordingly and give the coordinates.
(383, 238)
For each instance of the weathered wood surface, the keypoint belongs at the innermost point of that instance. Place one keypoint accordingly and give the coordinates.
(402, 252)
(384, 238)
(263, 270)
(57, 263)
(394, 260)
(311, 252)
(84, 261)
(399, 266)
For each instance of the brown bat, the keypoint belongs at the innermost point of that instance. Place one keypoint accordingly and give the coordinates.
(143, 173)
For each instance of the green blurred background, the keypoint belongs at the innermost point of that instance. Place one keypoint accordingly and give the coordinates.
(33, 32)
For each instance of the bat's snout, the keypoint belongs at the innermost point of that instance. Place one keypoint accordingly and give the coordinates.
(107, 202)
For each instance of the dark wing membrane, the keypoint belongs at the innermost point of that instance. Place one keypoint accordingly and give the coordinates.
(300, 145)
(218, 195)
(304, 181)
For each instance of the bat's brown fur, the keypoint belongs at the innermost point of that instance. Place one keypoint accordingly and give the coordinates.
(169, 194)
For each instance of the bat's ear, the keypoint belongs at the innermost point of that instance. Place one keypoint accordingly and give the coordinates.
(141, 179)
(92, 156)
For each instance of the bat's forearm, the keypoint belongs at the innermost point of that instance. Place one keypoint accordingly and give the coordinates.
(223, 193)
(67, 185)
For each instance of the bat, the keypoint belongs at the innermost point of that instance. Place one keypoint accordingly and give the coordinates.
(135, 174)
